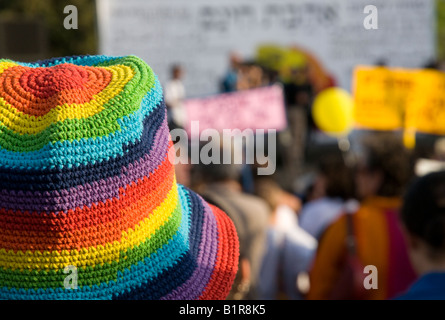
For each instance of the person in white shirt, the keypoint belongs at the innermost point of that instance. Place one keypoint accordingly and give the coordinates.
(174, 95)
(289, 250)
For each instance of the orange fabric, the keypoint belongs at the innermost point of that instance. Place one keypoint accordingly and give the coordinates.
(371, 234)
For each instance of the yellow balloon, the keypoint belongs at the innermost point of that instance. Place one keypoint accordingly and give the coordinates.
(333, 111)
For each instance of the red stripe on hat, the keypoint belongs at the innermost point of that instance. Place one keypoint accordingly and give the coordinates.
(88, 226)
(226, 266)
(35, 91)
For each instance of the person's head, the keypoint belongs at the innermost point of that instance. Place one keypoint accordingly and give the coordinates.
(220, 172)
(222, 166)
(299, 75)
(274, 195)
(177, 72)
(334, 178)
(423, 218)
(432, 64)
(235, 60)
(384, 168)
(439, 149)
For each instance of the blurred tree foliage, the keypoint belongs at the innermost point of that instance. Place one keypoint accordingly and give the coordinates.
(62, 42)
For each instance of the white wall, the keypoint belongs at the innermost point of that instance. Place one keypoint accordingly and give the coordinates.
(200, 33)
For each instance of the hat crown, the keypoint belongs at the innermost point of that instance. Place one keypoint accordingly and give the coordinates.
(43, 82)
(36, 91)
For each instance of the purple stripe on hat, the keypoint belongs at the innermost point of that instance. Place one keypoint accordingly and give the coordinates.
(98, 191)
(208, 248)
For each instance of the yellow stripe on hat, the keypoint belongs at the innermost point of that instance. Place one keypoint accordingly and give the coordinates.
(5, 65)
(92, 256)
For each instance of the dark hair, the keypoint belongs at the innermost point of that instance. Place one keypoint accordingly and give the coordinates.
(339, 179)
(220, 171)
(423, 211)
(268, 189)
(387, 154)
(175, 68)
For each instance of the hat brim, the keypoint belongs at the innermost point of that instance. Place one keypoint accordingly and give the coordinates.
(206, 269)
(214, 252)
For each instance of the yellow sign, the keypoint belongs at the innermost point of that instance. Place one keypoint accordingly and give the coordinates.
(380, 97)
(390, 99)
(425, 109)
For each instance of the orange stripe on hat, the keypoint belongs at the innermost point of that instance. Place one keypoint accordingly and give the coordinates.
(84, 227)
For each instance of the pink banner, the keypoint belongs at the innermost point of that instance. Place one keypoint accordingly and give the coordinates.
(261, 108)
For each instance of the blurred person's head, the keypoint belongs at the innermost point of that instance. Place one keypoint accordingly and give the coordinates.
(177, 72)
(255, 76)
(439, 149)
(299, 75)
(217, 170)
(251, 76)
(423, 217)
(268, 189)
(235, 60)
(270, 76)
(220, 172)
(432, 64)
(381, 62)
(384, 168)
(334, 179)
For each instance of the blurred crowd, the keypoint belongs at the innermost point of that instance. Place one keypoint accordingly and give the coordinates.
(331, 219)
(357, 218)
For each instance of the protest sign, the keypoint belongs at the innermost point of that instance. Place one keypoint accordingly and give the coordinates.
(380, 97)
(261, 108)
(391, 99)
(425, 110)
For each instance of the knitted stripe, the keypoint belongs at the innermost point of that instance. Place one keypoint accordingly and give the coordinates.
(83, 60)
(52, 154)
(85, 99)
(90, 192)
(175, 275)
(149, 267)
(225, 269)
(206, 258)
(85, 181)
(51, 179)
(82, 195)
(93, 255)
(101, 124)
(101, 224)
(94, 275)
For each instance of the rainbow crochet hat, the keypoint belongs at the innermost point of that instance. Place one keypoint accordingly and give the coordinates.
(86, 186)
